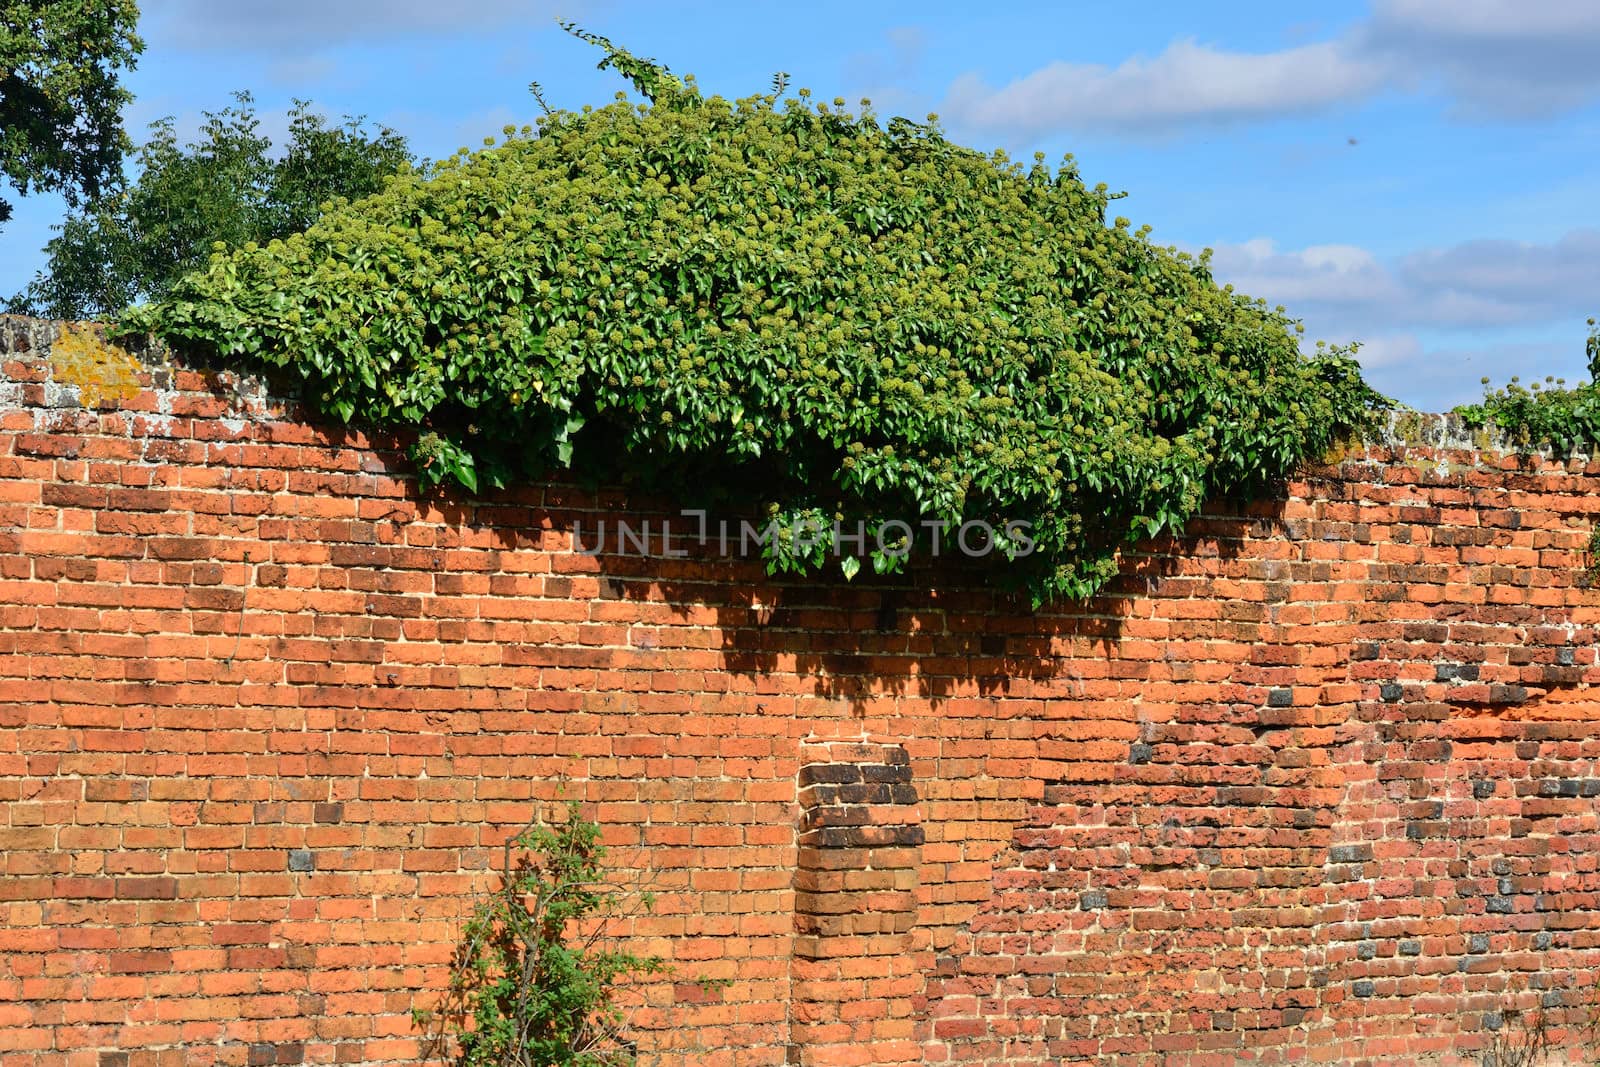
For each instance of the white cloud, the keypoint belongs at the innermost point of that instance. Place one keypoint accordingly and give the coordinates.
(1524, 277)
(1472, 285)
(1434, 322)
(1501, 21)
(1388, 353)
(1337, 275)
(1187, 82)
(1492, 58)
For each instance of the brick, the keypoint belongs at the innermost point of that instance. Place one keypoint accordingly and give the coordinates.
(1339, 742)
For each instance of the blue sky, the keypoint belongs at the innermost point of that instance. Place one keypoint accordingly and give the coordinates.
(1416, 175)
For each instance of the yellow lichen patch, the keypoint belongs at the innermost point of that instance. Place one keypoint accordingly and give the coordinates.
(103, 373)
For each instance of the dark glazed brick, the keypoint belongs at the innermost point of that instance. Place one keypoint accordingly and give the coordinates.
(874, 793)
(836, 773)
(1350, 854)
(864, 836)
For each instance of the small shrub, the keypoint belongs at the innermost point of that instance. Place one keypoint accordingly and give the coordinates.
(536, 980)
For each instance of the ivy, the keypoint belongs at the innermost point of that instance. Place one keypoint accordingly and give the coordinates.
(788, 307)
(1544, 415)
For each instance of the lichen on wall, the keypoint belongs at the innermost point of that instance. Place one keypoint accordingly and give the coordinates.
(104, 374)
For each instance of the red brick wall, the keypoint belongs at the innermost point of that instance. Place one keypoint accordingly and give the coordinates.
(1320, 783)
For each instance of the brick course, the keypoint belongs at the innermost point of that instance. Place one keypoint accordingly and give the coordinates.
(1319, 782)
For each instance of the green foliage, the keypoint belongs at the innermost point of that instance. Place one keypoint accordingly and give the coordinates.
(440, 459)
(60, 98)
(227, 187)
(534, 983)
(1549, 416)
(777, 302)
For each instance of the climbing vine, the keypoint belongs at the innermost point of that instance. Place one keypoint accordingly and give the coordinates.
(787, 307)
(1544, 415)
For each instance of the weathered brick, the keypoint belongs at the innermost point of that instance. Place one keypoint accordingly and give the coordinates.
(270, 714)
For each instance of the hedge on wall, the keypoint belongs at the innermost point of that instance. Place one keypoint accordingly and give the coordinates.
(792, 305)
(1548, 415)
